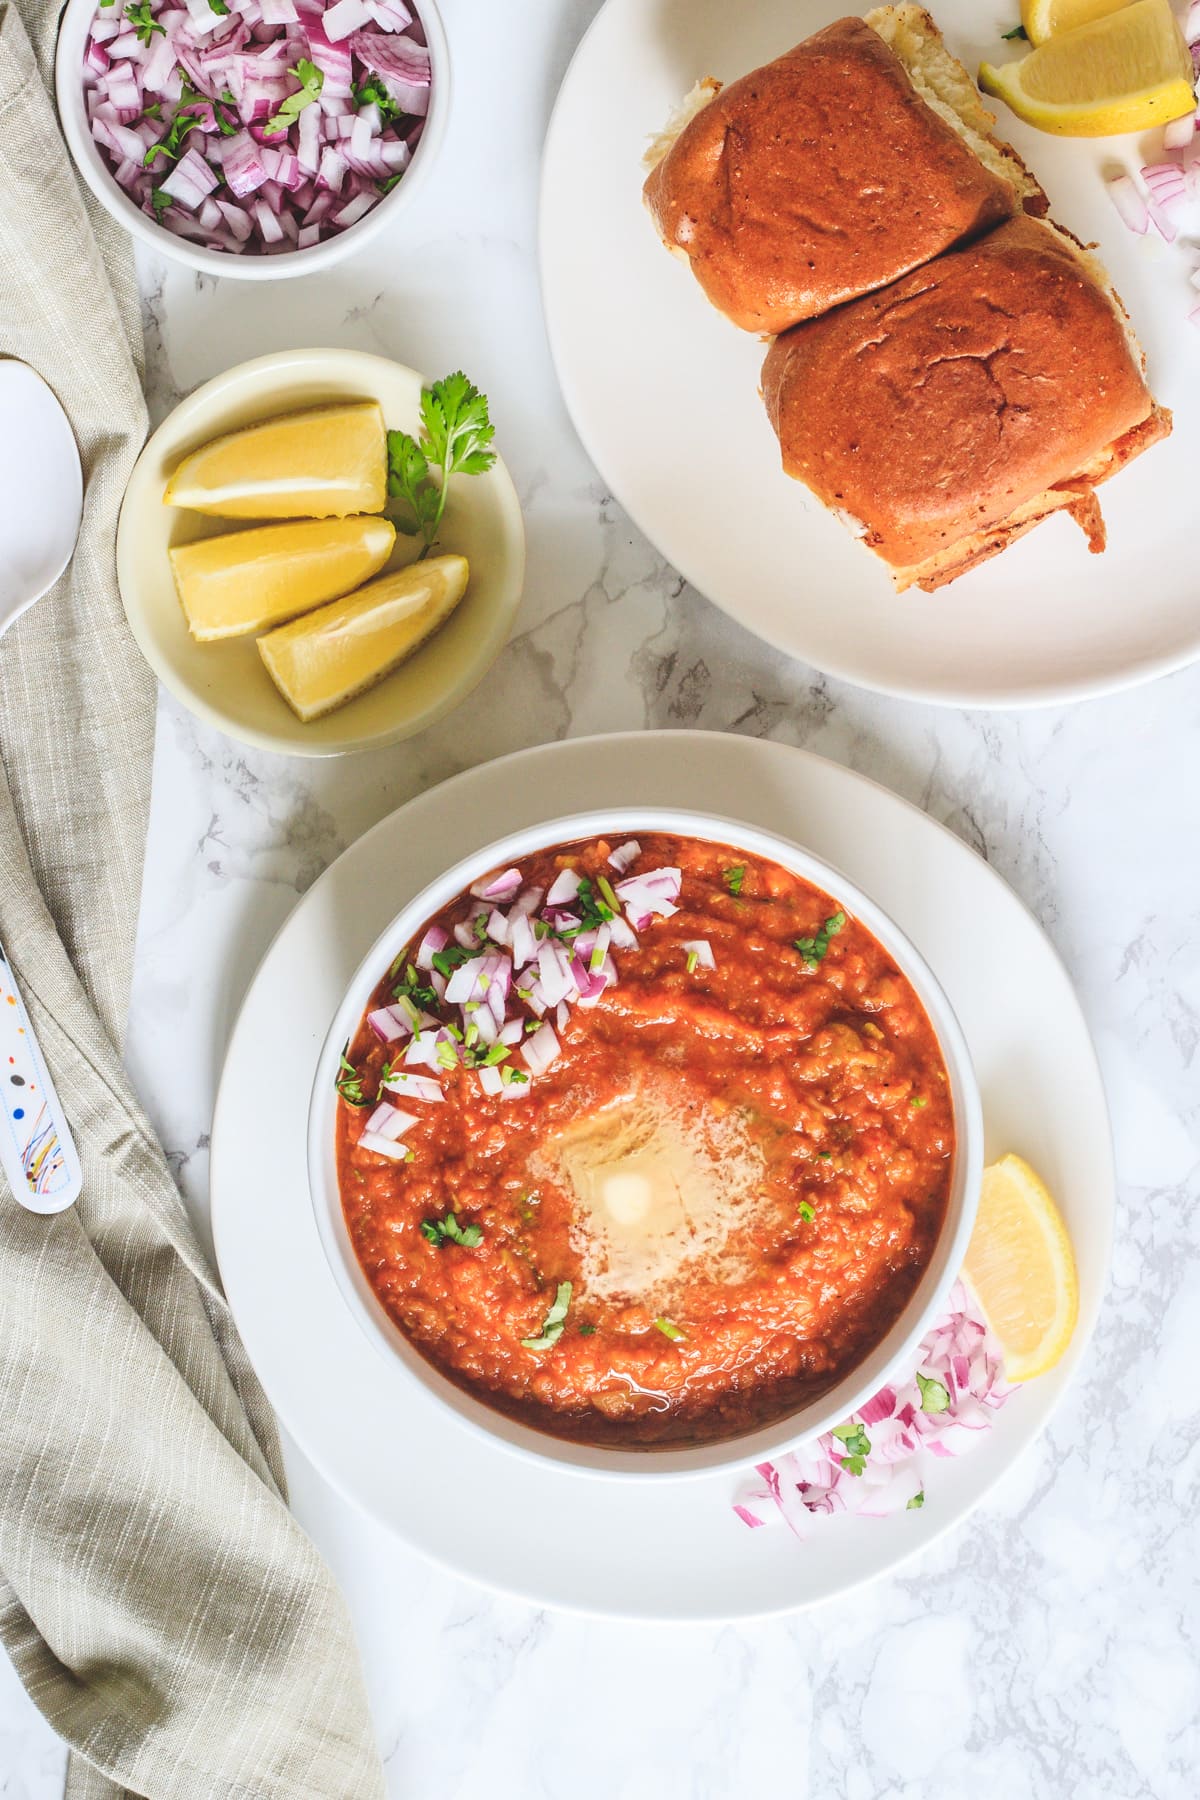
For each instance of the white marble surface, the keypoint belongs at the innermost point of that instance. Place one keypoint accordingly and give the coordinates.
(1049, 1647)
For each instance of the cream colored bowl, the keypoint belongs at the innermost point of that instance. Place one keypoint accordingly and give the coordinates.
(226, 683)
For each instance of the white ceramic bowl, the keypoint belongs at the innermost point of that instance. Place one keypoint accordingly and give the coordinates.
(68, 86)
(894, 1354)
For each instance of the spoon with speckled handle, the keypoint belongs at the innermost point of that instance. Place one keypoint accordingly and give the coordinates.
(42, 485)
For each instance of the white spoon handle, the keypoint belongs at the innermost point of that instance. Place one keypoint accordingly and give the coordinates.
(36, 1149)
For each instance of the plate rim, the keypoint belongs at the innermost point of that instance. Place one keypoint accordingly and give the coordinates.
(529, 1594)
(985, 698)
(303, 359)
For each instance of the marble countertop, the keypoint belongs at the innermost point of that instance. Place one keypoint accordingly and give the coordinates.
(1049, 1646)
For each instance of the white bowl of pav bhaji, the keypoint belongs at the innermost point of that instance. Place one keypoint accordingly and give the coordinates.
(646, 1142)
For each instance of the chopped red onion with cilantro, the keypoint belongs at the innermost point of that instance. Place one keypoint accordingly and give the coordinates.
(256, 126)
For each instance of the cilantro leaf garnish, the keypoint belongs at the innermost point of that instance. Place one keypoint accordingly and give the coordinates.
(410, 987)
(812, 949)
(669, 1329)
(456, 433)
(349, 1082)
(917, 1501)
(448, 1230)
(857, 1445)
(478, 1055)
(388, 183)
(311, 80)
(552, 1328)
(219, 7)
(160, 201)
(181, 124)
(372, 92)
(935, 1396)
(447, 960)
(733, 879)
(806, 1211)
(587, 1330)
(143, 23)
(607, 895)
(592, 913)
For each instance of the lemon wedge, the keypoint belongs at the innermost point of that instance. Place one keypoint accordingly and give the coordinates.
(249, 580)
(1044, 19)
(1122, 73)
(327, 462)
(1022, 1269)
(320, 662)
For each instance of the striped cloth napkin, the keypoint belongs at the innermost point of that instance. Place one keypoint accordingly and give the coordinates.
(164, 1610)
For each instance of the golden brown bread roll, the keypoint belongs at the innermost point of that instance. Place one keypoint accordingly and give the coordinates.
(826, 174)
(948, 413)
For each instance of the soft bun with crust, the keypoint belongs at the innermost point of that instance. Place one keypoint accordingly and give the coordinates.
(945, 415)
(831, 171)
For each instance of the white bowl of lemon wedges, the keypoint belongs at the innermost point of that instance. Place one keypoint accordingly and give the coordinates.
(321, 552)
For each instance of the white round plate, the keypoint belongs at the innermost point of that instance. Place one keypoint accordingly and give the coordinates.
(556, 1536)
(665, 395)
(226, 683)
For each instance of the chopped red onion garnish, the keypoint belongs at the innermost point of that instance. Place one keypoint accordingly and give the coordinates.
(540, 1049)
(435, 939)
(625, 855)
(246, 103)
(389, 1023)
(388, 1121)
(648, 896)
(383, 1146)
(875, 1464)
(563, 889)
(499, 887)
(1128, 201)
(529, 960)
(465, 985)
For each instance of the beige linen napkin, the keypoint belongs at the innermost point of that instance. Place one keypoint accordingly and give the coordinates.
(161, 1606)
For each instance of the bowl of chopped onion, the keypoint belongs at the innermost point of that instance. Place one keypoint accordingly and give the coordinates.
(253, 138)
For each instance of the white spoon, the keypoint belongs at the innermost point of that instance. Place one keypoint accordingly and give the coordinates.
(42, 488)
(41, 485)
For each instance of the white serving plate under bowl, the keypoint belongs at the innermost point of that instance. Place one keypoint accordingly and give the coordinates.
(895, 1351)
(68, 88)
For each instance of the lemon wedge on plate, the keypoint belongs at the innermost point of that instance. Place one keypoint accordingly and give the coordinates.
(1022, 1269)
(325, 659)
(326, 462)
(249, 580)
(1044, 19)
(1125, 72)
